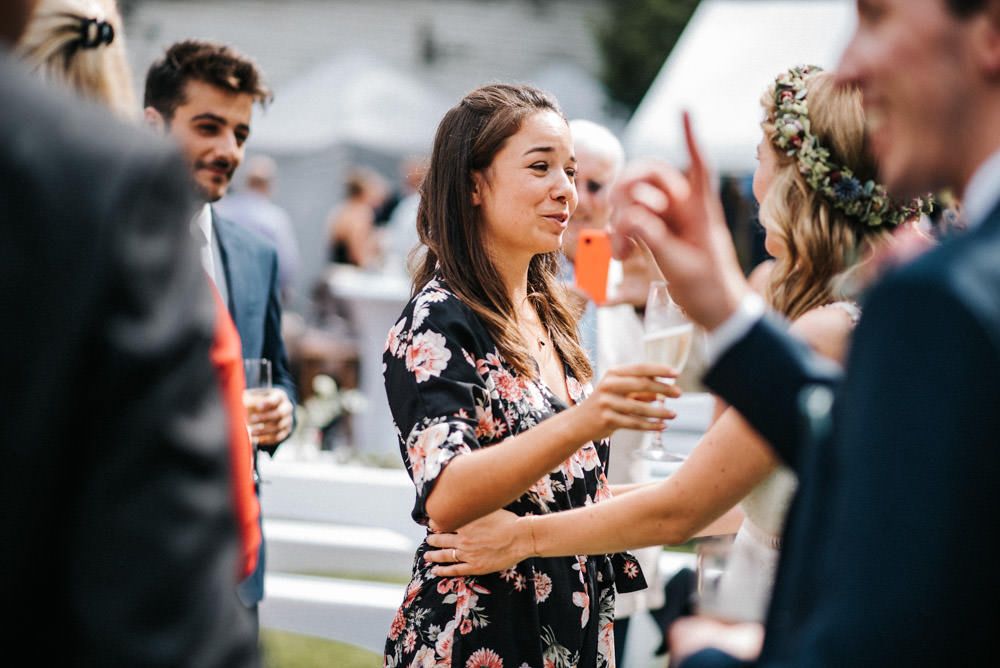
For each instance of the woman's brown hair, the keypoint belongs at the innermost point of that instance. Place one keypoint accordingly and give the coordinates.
(468, 138)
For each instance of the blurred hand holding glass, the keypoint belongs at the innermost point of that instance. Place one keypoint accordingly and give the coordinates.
(256, 397)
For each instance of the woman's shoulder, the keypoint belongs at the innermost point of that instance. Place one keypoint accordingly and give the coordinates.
(827, 328)
(435, 306)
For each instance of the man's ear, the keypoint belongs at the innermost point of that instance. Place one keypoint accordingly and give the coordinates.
(986, 39)
(154, 119)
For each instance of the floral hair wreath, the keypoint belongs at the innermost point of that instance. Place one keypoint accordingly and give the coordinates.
(867, 202)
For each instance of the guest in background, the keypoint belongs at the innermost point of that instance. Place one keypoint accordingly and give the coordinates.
(600, 157)
(353, 238)
(201, 94)
(116, 479)
(254, 208)
(402, 244)
(488, 388)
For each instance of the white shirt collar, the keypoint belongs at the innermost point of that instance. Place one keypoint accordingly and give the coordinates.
(983, 191)
(203, 220)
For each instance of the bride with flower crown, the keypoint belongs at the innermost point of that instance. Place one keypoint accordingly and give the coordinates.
(823, 214)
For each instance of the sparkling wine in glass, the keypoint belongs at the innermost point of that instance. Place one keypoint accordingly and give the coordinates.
(666, 340)
(257, 372)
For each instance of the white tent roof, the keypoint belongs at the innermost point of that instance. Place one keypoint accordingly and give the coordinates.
(728, 54)
(580, 94)
(351, 99)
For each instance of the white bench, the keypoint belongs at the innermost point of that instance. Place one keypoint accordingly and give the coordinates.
(296, 546)
(348, 611)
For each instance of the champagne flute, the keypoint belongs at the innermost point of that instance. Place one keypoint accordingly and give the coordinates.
(257, 372)
(666, 340)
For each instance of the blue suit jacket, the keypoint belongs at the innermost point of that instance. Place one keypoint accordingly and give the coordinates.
(250, 263)
(890, 546)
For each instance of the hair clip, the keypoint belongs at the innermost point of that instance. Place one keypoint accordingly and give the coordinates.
(94, 32)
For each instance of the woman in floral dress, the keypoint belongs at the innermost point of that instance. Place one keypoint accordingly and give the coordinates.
(821, 230)
(487, 384)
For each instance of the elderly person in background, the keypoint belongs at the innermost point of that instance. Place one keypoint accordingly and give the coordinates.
(254, 208)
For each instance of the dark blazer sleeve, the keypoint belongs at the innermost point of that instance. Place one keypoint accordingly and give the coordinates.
(883, 562)
(773, 379)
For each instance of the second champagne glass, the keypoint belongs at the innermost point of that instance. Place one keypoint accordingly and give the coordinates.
(257, 372)
(666, 340)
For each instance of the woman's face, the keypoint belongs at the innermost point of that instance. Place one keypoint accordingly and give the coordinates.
(767, 166)
(526, 196)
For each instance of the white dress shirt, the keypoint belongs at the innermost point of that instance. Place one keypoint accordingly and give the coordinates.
(211, 257)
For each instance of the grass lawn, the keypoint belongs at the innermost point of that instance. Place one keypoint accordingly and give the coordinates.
(290, 650)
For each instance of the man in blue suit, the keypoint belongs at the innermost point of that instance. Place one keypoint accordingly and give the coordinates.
(202, 95)
(890, 544)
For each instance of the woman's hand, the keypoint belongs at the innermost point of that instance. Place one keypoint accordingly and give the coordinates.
(626, 398)
(491, 543)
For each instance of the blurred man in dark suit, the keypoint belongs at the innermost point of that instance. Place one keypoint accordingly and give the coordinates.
(115, 483)
(887, 557)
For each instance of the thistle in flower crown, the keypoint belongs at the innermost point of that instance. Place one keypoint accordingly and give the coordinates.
(867, 202)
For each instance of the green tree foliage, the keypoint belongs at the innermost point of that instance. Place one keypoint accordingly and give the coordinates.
(635, 42)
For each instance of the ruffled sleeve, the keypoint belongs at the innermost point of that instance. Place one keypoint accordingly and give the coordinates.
(437, 397)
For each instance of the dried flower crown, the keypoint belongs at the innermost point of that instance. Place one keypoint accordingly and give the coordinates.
(867, 202)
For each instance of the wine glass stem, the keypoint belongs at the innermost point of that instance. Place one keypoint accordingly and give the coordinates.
(657, 439)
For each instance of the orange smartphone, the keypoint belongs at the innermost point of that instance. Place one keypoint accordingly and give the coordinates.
(593, 255)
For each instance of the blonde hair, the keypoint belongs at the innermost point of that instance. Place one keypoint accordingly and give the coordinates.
(823, 244)
(53, 46)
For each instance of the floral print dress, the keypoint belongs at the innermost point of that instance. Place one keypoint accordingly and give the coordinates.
(450, 393)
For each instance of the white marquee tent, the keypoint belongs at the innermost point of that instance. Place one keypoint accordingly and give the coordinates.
(728, 54)
(356, 100)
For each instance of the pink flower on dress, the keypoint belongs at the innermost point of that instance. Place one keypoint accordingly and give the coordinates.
(606, 641)
(631, 569)
(425, 453)
(410, 641)
(520, 582)
(424, 658)
(445, 642)
(392, 340)
(582, 600)
(484, 658)
(398, 624)
(587, 456)
(543, 587)
(543, 488)
(465, 626)
(427, 355)
(507, 386)
(412, 590)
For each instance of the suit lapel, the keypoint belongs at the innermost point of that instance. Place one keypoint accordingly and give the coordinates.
(231, 265)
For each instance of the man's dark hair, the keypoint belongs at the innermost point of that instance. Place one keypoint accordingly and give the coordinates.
(209, 62)
(964, 8)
